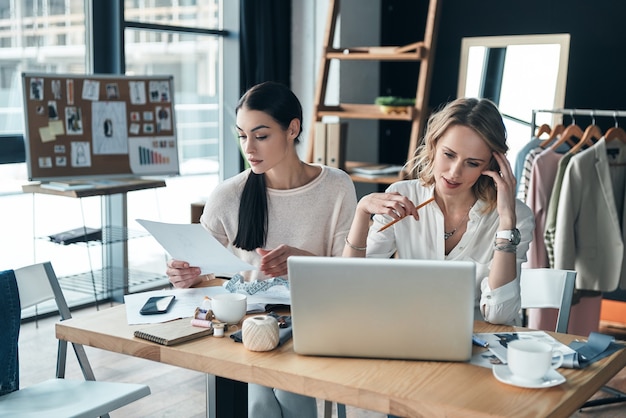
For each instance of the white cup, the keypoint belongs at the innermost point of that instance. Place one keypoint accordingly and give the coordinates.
(531, 360)
(229, 307)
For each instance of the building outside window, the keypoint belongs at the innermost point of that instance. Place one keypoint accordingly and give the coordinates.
(49, 36)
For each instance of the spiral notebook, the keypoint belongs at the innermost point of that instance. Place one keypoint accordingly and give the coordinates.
(172, 332)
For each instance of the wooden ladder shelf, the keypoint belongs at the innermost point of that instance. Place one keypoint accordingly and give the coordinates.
(421, 51)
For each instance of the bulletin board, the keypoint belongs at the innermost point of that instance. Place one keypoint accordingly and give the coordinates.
(94, 126)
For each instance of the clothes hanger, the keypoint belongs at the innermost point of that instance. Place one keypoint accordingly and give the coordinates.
(587, 139)
(572, 131)
(615, 132)
(543, 129)
(556, 131)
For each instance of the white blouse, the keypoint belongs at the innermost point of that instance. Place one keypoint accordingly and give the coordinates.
(424, 239)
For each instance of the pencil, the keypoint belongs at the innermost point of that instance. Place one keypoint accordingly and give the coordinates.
(421, 205)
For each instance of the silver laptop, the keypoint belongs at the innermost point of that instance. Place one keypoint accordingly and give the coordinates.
(382, 308)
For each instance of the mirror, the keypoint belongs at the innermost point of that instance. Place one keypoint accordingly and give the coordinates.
(519, 73)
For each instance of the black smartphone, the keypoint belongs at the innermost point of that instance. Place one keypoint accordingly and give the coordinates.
(157, 305)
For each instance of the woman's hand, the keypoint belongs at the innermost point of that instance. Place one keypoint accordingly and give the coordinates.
(393, 204)
(505, 185)
(274, 262)
(182, 275)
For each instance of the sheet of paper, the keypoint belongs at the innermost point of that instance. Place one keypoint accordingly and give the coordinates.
(194, 244)
(498, 350)
(56, 127)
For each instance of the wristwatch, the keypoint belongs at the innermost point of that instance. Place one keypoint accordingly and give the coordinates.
(513, 235)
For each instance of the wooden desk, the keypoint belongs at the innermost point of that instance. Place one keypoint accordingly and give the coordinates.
(404, 388)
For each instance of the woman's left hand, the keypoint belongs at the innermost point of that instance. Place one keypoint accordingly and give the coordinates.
(505, 184)
(274, 262)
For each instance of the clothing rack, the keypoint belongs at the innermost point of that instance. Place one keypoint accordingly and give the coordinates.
(577, 112)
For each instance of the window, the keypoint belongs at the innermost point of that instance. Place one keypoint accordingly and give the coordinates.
(192, 58)
(50, 36)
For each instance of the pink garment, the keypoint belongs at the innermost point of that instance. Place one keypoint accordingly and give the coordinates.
(542, 177)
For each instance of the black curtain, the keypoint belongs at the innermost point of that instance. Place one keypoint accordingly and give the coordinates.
(265, 42)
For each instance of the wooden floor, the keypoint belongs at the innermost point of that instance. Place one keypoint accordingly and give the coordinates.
(176, 392)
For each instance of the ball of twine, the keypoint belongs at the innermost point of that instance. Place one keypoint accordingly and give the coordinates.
(260, 333)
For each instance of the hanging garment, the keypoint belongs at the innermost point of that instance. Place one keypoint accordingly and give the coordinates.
(521, 157)
(553, 205)
(589, 236)
(542, 178)
(523, 183)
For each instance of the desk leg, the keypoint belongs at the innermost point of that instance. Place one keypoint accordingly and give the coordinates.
(115, 254)
(232, 395)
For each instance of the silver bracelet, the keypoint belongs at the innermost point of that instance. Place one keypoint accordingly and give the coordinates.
(507, 247)
(354, 247)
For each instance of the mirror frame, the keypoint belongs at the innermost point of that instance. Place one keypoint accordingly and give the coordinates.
(563, 39)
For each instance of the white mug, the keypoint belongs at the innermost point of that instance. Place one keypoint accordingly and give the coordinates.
(229, 307)
(531, 360)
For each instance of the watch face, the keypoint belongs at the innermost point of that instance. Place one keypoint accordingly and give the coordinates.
(516, 236)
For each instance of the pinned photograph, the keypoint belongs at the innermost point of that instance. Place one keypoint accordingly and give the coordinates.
(53, 113)
(148, 128)
(134, 129)
(69, 91)
(91, 90)
(60, 161)
(164, 119)
(44, 162)
(81, 154)
(112, 91)
(73, 121)
(135, 116)
(56, 89)
(59, 149)
(159, 91)
(36, 88)
(137, 91)
(148, 116)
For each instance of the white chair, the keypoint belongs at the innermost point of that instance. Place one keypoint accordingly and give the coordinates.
(549, 288)
(60, 397)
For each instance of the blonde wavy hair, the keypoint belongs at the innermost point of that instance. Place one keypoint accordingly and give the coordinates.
(485, 119)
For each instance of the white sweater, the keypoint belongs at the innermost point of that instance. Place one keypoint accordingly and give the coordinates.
(315, 217)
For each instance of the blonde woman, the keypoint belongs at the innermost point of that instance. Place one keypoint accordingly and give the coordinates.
(473, 216)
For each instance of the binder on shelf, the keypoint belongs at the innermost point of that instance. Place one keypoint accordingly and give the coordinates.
(319, 143)
(173, 332)
(336, 144)
(81, 234)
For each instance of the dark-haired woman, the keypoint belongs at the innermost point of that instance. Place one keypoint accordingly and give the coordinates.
(279, 207)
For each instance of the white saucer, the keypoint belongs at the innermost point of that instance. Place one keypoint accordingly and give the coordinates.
(503, 374)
